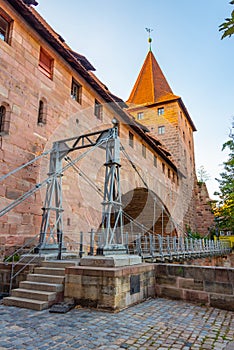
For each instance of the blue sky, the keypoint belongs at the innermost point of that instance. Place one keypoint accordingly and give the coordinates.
(186, 43)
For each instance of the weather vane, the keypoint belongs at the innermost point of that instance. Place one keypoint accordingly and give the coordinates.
(149, 39)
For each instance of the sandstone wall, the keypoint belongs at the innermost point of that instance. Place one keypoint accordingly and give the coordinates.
(211, 286)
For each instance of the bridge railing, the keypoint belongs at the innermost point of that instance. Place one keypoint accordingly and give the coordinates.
(171, 248)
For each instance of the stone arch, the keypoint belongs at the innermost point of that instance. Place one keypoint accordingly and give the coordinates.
(149, 212)
(5, 115)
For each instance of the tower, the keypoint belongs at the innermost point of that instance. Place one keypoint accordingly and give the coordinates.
(153, 104)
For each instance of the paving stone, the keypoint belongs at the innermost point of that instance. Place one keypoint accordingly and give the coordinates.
(155, 324)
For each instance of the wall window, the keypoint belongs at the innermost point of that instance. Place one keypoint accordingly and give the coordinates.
(5, 22)
(131, 139)
(168, 173)
(173, 177)
(4, 119)
(155, 161)
(143, 151)
(163, 168)
(160, 110)
(46, 63)
(161, 130)
(41, 117)
(140, 115)
(98, 110)
(76, 90)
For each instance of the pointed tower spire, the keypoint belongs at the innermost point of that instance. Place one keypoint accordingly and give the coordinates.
(151, 85)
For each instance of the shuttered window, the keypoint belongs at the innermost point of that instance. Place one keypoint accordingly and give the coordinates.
(46, 63)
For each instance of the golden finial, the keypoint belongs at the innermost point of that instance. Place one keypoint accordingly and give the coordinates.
(149, 38)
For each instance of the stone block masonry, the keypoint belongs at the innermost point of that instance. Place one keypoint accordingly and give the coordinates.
(111, 289)
(211, 286)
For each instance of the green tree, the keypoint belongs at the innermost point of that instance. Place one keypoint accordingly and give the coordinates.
(228, 26)
(224, 210)
(202, 174)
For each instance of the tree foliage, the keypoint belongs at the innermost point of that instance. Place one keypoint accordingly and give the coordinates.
(228, 26)
(224, 211)
(202, 174)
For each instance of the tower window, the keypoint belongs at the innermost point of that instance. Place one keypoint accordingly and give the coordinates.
(161, 130)
(143, 151)
(41, 117)
(131, 139)
(46, 63)
(169, 173)
(160, 110)
(163, 168)
(140, 116)
(5, 22)
(98, 110)
(76, 90)
(155, 161)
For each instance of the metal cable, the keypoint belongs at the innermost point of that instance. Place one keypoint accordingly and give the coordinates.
(46, 181)
(24, 165)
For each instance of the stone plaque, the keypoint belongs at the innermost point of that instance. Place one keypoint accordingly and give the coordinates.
(134, 284)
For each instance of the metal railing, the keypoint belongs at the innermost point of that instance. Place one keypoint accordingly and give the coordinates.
(22, 257)
(159, 248)
(150, 247)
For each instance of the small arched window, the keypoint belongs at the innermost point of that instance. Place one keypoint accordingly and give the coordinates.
(41, 118)
(4, 119)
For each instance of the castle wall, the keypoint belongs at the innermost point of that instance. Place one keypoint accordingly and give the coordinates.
(22, 86)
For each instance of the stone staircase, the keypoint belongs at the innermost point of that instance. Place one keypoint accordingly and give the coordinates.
(43, 288)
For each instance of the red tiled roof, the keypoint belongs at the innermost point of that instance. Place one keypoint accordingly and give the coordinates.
(151, 85)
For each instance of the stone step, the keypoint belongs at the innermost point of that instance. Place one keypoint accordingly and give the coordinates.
(33, 294)
(59, 263)
(57, 271)
(45, 278)
(26, 303)
(48, 287)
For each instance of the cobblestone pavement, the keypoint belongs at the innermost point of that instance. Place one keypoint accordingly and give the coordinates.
(155, 324)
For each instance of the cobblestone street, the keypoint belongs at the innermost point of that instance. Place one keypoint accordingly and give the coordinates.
(155, 324)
